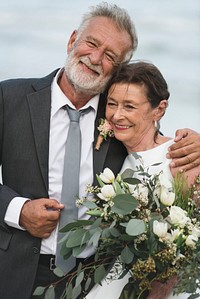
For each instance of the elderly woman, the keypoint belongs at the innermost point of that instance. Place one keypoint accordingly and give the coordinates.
(137, 100)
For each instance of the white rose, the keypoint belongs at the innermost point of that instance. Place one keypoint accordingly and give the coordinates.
(178, 216)
(107, 192)
(160, 228)
(191, 241)
(166, 197)
(107, 176)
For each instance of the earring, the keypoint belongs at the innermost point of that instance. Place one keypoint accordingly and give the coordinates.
(156, 124)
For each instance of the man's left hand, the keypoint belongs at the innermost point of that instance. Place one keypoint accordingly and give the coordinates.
(185, 152)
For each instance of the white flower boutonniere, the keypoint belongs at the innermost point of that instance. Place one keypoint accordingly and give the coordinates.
(105, 130)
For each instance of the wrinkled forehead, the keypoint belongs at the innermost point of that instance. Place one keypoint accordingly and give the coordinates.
(107, 33)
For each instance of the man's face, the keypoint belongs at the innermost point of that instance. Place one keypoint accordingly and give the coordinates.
(94, 54)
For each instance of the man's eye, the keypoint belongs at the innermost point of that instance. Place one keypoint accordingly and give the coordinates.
(91, 44)
(111, 59)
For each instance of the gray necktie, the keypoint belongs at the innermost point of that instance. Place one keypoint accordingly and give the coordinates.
(70, 188)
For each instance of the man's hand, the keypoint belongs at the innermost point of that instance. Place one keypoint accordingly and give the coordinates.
(40, 216)
(185, 153)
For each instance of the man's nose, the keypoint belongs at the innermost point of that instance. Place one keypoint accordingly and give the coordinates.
(96, 56)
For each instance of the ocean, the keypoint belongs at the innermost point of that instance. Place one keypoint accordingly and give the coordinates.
(34, 35)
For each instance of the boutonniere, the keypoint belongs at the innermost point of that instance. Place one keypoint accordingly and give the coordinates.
(105, 130)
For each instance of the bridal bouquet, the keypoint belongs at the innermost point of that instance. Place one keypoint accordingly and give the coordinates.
(144, 226)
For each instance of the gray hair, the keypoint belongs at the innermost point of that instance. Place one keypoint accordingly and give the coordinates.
(119, 16)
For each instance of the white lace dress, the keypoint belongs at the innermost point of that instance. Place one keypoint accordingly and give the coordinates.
(113, 289)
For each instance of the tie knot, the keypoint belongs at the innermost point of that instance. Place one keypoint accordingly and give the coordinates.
(74, 115)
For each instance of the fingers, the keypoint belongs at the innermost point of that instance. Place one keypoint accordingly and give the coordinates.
(185, 154)
(182, 133)
(186, 163)
(40, 217)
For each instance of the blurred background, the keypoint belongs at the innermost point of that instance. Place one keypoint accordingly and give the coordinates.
(34, 35)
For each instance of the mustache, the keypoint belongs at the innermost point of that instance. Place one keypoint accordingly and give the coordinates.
(96, 68)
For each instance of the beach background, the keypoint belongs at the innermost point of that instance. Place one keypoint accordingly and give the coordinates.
(34, 36)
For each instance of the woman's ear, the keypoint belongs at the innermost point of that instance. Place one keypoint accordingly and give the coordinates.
(71, 41)
(160, 109)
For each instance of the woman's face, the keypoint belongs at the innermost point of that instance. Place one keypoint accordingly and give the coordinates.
(130, 114)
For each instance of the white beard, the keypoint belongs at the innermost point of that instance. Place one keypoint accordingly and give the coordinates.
(89, 84)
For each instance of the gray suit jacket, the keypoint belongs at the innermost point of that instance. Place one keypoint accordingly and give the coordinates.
(25, 106)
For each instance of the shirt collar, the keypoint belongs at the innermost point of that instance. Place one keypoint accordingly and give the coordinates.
(59, 99)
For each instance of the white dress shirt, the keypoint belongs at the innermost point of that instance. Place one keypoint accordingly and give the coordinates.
(59, 125)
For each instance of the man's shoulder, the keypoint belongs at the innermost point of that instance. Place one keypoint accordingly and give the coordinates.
(23, 82)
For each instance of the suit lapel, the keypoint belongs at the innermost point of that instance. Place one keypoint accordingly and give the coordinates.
(112, 152)
(99, 155)
(40, 110)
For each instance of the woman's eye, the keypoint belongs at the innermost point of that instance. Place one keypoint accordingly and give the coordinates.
(111, 104)
(129, 107)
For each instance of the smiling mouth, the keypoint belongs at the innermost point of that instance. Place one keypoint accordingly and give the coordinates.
(90, 68)
(121, 127)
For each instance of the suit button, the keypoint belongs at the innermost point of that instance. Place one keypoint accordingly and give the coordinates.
(35, 250)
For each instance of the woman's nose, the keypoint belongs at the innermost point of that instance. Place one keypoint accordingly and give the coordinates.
(118, 114)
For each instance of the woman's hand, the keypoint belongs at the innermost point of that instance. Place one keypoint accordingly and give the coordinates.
(185, 152)
(162, 290)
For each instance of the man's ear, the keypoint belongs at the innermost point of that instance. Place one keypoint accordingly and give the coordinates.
(160, 110)
(71, 41)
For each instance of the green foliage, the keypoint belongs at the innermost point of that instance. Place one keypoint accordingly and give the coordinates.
(122, 228)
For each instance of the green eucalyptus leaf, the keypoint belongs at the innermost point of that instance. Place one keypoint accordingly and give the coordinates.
(124, 204)
(50, 293)
(135, 227)
(77, 250)
(136, 156)
(88, 282)
(99, 274)
(76, 291)
(114, 232)
(39, 291)
(58, 272)
(106, 233)
(126, 255)
(73, 225)
(69, 289)
(78, 237)
(132, 181)
(96, 223)
(94, 240)
(128, 173)
(96, 213)
(79, 278)
(65, 251)
(90, 204)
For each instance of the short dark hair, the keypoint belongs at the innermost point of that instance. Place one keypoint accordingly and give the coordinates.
(146, 74)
